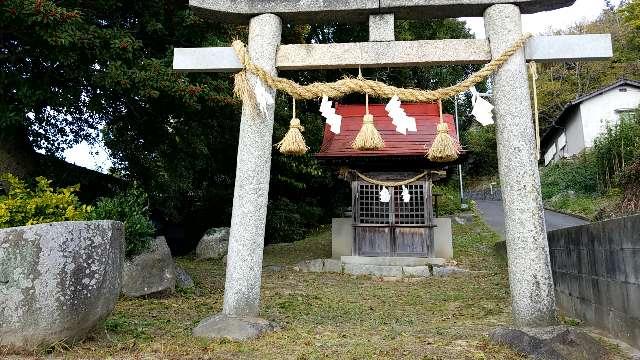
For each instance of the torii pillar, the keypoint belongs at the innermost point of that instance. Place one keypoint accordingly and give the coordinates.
(532, 291)
(251, 193)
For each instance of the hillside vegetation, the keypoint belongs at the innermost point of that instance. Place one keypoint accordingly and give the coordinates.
(602, 182)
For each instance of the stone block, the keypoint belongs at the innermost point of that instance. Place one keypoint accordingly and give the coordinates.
(341, 237)
(392, 261)
(183, 280)
(382, 27)
(374, 270)
(416, 271)
(152, 272)
(332, 265)
(316, 265)
(274, 268)
(447, 270)
(443, 239)
(214, 244)
(58, 280)
(558, 280)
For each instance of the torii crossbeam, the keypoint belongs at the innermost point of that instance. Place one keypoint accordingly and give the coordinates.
(530, 276)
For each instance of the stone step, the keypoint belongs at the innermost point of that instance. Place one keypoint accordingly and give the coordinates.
(392, 261)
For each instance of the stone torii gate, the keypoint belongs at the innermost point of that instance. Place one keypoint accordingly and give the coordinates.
(530, 276)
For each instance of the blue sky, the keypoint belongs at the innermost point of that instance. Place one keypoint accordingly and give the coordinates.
(97, 157)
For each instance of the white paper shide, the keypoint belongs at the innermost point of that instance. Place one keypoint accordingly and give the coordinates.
(400, 119)
(329, 113)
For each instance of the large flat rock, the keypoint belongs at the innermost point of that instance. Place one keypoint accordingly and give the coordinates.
(551, 343)
(231, 327)
(314, 11)
(57, 281)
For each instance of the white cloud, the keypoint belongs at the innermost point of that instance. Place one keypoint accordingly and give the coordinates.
(550, 20)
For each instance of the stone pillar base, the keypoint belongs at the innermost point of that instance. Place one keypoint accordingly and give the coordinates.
(233, 327)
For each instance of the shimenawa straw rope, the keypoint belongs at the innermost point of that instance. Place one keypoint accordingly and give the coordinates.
(348, 86)
(390, 183)
(533, 69)
(444, 149)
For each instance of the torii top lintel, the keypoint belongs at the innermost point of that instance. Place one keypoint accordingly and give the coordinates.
(317, 11)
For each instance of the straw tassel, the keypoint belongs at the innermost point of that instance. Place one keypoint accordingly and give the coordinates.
(445, 148)
(293, 142)
(368, 138)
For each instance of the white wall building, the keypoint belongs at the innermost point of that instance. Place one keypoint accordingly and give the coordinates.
(585, 118)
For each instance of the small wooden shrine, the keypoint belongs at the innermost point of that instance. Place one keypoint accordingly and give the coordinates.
(402, 224)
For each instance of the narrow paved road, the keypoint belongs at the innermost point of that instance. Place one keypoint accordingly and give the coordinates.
(493, 214)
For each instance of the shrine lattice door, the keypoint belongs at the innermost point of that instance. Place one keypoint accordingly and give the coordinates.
(394, 228)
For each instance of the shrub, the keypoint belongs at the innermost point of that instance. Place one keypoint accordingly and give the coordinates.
(584, 205)
(131, 208)
(285, 222)
(449, 202)
(600, 168)
(483, 156)
(578, 175)
(614, 150)
(43, 204)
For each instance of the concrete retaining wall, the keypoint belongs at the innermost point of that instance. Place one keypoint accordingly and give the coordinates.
(596, 270)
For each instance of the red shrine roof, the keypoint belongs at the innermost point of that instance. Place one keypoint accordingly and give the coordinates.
(396, 144)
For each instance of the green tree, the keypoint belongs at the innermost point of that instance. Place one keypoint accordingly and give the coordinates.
(560, 83)
(107, 64)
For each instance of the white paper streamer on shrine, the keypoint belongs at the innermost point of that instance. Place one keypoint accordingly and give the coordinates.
(482, 109)
(263, 97)
(406, 196)
(328, 112)
(400, 119)
(385, 195)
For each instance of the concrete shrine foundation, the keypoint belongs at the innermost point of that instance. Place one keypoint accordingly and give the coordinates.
(388, 268)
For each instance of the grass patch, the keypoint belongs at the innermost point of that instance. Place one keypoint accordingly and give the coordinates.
(324, 315)
(587, 206)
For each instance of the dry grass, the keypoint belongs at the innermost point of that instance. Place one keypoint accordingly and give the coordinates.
(322, 315)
